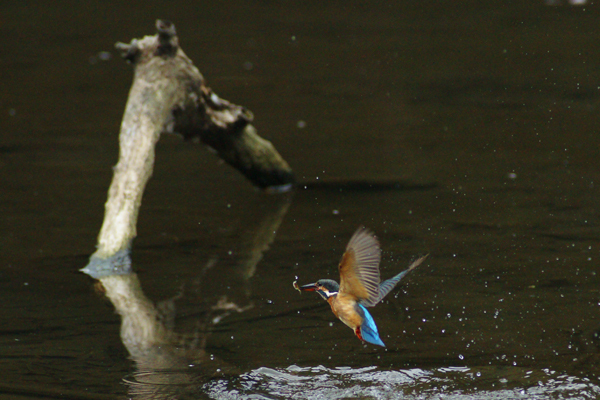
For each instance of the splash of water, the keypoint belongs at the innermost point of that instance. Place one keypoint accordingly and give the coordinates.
(456, 383)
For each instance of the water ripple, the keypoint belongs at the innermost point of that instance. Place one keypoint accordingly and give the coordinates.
(453, 383)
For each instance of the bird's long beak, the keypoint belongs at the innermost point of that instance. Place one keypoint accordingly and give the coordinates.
(311, 287)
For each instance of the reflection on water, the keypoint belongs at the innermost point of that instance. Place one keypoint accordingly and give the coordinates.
(469, 133)
(320, 382)
(171, 364)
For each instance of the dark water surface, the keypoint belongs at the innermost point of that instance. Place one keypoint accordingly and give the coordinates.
(466, 130)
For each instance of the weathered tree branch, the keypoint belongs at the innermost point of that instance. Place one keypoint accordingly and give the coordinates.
(169, 95)
(195, 111)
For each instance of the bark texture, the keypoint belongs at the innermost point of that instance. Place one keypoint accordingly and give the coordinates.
(169, 95)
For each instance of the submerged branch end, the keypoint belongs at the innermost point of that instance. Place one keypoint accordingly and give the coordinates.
(117, 264)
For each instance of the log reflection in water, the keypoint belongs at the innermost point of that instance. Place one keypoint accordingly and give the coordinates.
(172, 364)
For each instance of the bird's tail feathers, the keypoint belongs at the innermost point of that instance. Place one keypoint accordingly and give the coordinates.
(386, 286)
(417, 262)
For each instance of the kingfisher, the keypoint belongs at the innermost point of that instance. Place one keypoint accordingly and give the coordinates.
(359, 285)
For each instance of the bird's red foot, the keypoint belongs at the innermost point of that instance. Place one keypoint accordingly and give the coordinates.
(358, 334)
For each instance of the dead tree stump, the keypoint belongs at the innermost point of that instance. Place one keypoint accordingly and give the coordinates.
(169, 95)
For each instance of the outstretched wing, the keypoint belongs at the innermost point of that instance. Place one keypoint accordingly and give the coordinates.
(389, 284)
(359, 268)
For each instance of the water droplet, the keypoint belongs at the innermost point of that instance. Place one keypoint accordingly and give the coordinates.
(104, 56)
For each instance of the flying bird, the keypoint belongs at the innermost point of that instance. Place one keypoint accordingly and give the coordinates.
(359, 285)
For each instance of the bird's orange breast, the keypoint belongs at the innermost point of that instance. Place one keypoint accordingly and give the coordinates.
(344, 307)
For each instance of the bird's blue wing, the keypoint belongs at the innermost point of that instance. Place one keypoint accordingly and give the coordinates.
(387, 286)
(368, 329)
